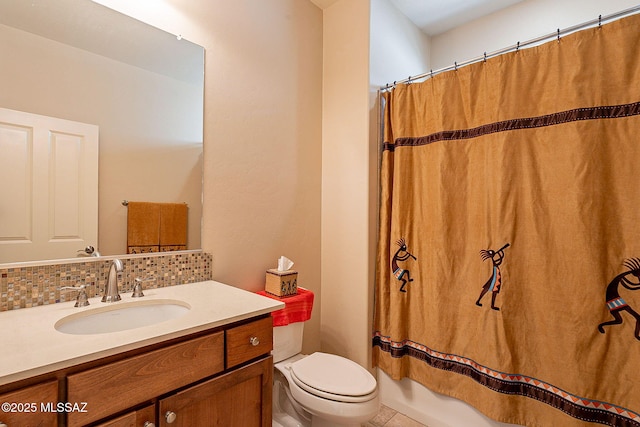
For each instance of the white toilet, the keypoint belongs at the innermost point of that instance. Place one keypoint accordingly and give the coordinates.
(318, 390)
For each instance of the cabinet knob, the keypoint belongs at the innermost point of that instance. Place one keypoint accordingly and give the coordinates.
(3, 424)
(170, 416)
(148, 424)
(254, 341)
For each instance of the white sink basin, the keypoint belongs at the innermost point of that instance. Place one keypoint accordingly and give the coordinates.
(115, 317)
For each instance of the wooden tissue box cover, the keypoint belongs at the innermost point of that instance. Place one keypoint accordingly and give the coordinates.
(282, 283)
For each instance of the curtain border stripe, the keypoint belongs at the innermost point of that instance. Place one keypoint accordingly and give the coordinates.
(590, 113)
(513, 384)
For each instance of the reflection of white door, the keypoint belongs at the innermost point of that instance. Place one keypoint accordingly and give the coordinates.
(48, 187)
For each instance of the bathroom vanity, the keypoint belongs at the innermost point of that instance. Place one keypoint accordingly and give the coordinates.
(210, 366)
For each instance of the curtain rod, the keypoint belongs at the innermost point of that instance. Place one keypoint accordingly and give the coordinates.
(559, 33)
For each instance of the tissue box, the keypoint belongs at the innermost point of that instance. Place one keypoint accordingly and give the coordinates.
(282, 283)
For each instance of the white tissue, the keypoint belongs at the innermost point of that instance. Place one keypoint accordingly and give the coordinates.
(284, 263)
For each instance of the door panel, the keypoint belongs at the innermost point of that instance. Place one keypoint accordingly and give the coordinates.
(48, 186)
(16, 187)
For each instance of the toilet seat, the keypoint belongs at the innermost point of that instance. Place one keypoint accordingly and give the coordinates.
(333, 377)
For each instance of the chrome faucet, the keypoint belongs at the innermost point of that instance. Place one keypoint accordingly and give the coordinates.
(111, 286)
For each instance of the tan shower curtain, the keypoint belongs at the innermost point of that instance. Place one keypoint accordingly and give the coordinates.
(509, 243)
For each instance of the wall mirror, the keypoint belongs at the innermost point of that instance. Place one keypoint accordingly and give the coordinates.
(142, 87)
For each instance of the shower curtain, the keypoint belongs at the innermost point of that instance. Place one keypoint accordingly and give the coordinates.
(508, 266)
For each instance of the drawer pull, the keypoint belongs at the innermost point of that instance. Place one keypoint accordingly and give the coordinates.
(3, 424)
(148, 424)
(254, 341)
(170, 416)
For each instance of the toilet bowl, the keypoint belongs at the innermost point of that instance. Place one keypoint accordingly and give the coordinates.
(320, 389)
(326, 390)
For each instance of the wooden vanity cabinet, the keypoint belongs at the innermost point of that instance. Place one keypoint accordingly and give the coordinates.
(219, 379)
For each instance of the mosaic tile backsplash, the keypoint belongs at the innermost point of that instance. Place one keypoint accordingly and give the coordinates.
(25, 287)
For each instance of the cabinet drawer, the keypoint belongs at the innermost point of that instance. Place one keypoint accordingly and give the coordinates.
(249, 341)
(137, 418)
(31, 406)
(121, 385)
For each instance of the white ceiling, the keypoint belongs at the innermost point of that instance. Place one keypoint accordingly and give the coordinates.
(437, 16)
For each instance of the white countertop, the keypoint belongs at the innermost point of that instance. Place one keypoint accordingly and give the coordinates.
(32, 346)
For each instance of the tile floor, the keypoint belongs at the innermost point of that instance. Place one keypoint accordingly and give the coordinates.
(387, 417)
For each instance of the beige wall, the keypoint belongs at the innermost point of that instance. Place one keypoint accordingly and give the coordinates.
(263, 143)
(348, 184)
(262, 133)
(150, 139)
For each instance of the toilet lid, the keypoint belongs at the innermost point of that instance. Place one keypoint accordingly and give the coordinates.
(328, 375)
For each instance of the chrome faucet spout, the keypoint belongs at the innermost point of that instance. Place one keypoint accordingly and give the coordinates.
(111, 293)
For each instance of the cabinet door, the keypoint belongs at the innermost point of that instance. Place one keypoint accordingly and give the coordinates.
(31, 406)
(240, 398)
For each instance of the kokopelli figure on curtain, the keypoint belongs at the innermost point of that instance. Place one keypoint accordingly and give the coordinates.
(630, 279)
(495, 281)
(401, 255)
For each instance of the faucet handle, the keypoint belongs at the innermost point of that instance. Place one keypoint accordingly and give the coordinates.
(89, 251)
(137, 287)
(82, 300)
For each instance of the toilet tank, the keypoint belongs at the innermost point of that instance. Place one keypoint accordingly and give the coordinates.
(288, 323)
(287, 341)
